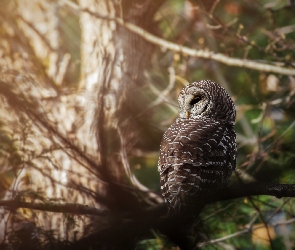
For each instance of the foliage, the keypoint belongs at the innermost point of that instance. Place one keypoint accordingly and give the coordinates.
(49, 153)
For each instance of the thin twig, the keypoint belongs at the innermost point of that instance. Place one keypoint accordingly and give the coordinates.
(72, 208)
(247, 230)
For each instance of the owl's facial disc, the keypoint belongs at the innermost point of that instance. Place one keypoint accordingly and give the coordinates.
(196, 104)
(195, 100)
(193, 103)
(192, 100)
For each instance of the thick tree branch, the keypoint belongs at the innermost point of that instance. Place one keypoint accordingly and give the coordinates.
(153, 218)
(251, 189)
(138, 225)
(233, 192)
(206, 54)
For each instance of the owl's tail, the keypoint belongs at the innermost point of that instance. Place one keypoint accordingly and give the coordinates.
(187, 231)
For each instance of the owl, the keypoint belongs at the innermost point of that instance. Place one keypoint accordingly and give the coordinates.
(198, 151)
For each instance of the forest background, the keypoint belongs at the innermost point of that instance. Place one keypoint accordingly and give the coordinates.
(87, 89)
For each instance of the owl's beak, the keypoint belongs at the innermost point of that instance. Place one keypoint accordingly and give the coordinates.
(187, 114)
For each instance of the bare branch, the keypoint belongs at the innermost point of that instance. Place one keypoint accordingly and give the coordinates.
(71, 208)
(153, 217)
(252, 189)
(206, 54)
(249, 229)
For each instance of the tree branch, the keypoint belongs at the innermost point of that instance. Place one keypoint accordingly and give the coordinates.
(233, 192)
(251, 189)
(249, 229)
(70, 208)
(206, 54)
(153, 218)
(138, 225)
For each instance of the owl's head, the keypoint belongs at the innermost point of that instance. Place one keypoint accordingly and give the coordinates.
(206, 99)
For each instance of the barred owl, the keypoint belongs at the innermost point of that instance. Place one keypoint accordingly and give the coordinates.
(198, 151)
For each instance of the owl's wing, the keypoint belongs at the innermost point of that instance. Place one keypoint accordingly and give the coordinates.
(196, 156)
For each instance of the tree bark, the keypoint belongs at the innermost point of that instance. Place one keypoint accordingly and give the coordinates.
(113, 62)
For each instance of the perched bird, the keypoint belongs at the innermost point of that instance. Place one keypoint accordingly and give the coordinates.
(198, 151)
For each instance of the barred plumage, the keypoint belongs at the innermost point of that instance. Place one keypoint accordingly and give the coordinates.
(198, 151)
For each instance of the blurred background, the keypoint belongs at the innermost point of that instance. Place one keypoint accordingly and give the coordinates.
(86, 97)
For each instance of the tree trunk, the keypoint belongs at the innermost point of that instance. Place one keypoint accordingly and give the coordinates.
(113, 64)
